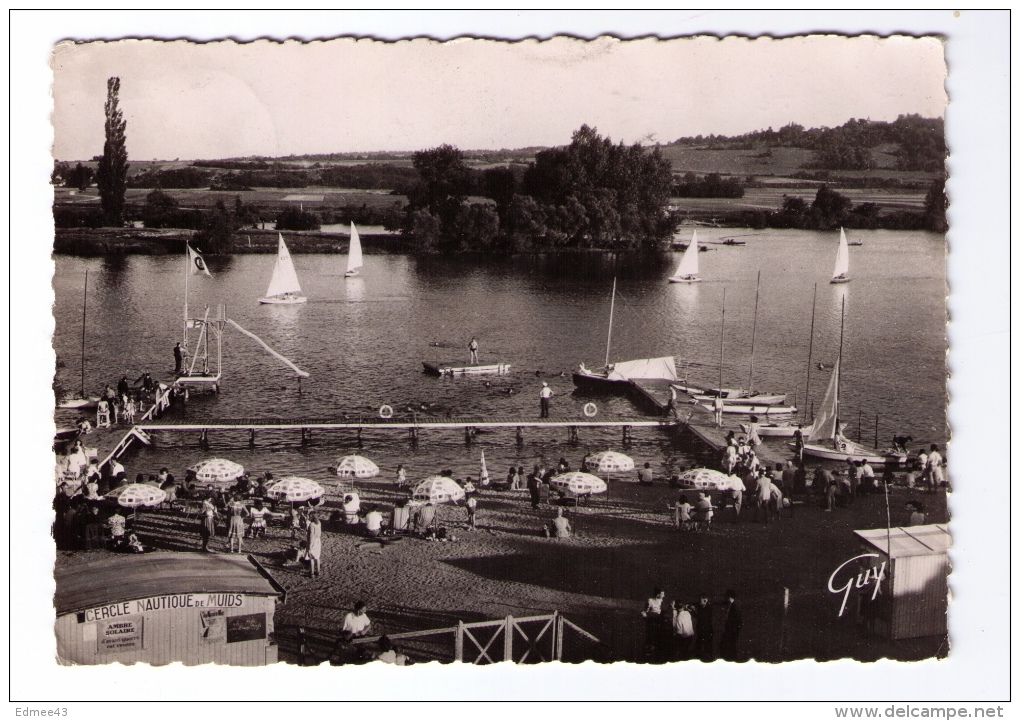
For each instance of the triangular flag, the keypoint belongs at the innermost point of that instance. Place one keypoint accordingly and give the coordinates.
(197, 263)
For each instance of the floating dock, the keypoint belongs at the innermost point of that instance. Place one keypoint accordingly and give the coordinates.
(457, 369)
(654, 394)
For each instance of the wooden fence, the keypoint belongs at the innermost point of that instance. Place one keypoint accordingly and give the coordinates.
(528, 639)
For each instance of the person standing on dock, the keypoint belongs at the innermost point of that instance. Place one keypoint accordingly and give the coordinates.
(473, 348)
(544, 395)
(178, 358)
(717, 406)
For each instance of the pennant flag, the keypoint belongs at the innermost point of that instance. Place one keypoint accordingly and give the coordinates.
(197, 263)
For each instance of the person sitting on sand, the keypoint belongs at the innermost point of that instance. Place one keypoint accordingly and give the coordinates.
(560, 526)
(373, 522)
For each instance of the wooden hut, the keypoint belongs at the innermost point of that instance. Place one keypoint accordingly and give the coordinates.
(913, 599)
(161, 608)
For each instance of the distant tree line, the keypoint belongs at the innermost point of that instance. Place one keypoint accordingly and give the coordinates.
(712, 185)
(830, 209)
(921, 144)
(590, 194)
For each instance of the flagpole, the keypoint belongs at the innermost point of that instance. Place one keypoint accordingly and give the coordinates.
(187, 272)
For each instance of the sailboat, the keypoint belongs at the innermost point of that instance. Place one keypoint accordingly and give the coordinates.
(284, 288)
(82, 401)
(825, 437)
(618, 375)
(687, 270)
(841, 271)
(741, 396)
(354, 261)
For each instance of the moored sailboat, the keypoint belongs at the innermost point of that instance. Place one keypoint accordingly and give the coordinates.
(284, 288)
(687, 270)
(825, 437)
(617, 376)
(841, 271)
(354, 261)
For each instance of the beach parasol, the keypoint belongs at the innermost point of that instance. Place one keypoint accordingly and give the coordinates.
(134, 495)
(356, 467)
(295, 490)
(438, 489)
(217, 470)
(610, 462)
(706, 479)
(578, 483)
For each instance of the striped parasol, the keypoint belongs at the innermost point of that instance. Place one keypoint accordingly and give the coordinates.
(578, 483)
(610, 462)
(217, 470)
(438, 489)
(356, 467)
(134, 495)
(706, 479)
(295, 490)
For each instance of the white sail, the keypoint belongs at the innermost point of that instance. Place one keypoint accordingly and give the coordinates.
(842, 269)
(689, 261)
(824, 427)
(354, 254)
(285, 278)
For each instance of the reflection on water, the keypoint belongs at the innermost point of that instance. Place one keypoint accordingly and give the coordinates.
(363, 339)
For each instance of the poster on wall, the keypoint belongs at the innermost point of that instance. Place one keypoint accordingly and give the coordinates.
(214, 628)
(120, 634)
(248, 627)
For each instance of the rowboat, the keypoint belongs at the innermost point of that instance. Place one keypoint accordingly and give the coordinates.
(749, 410)
(775, 430)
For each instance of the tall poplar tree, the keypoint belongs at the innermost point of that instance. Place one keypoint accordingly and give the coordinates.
(111, 176)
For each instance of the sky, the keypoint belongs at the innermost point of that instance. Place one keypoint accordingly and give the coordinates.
(192, 100)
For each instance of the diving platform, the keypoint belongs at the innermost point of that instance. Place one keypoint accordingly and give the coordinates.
(457, 369)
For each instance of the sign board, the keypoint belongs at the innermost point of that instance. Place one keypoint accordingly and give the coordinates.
(249, 627)
(213, 625)
(163, 603)
(119, 634)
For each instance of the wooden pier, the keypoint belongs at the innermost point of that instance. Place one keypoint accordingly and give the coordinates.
(654, 394)
(412, 424)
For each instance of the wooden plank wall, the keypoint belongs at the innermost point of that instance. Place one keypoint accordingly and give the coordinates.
(171, 636)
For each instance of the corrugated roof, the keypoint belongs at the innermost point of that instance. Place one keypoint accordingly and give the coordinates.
(126, 578)
(913, 541)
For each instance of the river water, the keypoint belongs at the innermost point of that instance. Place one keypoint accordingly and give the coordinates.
(363, 341)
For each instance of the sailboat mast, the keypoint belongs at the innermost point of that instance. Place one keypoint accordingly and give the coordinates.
(84, 307)
(754, 331)
(722, 326)
(609, 338)
(811, 347)
(839, 366)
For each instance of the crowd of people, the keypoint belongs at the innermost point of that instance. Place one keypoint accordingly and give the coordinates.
(685, 631)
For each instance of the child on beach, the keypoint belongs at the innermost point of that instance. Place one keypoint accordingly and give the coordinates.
(472, 507)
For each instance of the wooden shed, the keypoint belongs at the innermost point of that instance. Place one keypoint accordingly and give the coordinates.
(161, 608)
(913, 599)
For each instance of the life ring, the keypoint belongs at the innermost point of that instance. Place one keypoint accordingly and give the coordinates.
(590, 409)
(385, 411)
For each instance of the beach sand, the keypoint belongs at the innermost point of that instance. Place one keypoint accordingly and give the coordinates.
(624, 545)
